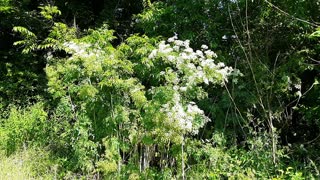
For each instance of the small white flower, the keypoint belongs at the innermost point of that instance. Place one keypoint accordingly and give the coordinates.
(224, 37)
(214, 55)
(204, 46)
(153, 54)
(205, 80)
(199, 53)
(183, 89)
(298, 86)
(172, 39)
(184, 56)
(186, 43)
(221, 64)
(200, 74)
(207, 62)
(178, 42)
(191, 66)
(209, 53)
(163, 47)
(194, 109)
(298, 93)
(49, 55)
(189, 50)
(193, 56)
(167, 50)
(188, 125)
(176, 48)
(171, 58)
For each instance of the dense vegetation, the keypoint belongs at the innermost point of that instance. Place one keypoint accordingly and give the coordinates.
(162, 89)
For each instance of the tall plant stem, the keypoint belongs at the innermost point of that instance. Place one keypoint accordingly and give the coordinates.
(182, 159)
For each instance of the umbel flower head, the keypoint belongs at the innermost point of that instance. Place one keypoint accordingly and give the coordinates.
(183, 116)
(186, 70)
(193, 66)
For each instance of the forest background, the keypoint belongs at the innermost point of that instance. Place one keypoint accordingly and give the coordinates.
(162, 89)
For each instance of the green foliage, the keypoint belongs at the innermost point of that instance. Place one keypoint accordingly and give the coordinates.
(30, 39)
(5, 6)
(23, 128)
(49, 11)
(166, 18)
(109, 163)
(145, 108)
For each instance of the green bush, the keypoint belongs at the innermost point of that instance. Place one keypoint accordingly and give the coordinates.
(23, 128)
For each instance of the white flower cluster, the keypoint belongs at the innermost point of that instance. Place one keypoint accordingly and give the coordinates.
(187, 69)
(75, 48)
(183, 117)
(89, 56)
(81, 49)
(194, 67)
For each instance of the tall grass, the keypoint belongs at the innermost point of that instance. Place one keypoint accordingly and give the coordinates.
(27, 164)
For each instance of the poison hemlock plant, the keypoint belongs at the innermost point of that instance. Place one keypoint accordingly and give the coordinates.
(103, 84)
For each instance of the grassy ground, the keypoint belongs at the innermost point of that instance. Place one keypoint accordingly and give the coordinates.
(25, 165)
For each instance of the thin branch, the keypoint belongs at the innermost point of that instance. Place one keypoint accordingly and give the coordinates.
(293, 17)
(236, 107)
(317, 61)
(298, 99)
(309, 142)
